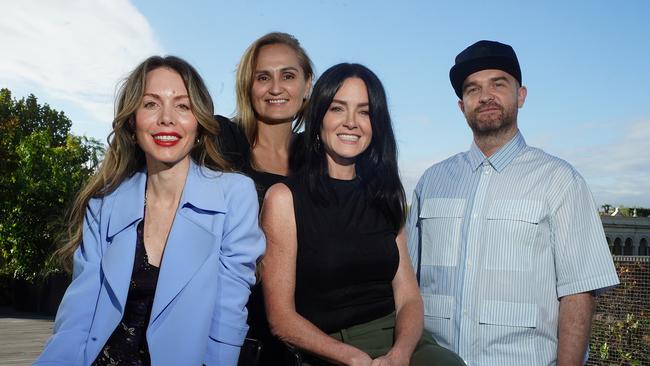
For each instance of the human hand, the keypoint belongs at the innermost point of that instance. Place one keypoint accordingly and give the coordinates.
(391, 359)
(360, 359)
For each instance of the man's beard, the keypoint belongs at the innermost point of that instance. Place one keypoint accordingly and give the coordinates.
(493, 123)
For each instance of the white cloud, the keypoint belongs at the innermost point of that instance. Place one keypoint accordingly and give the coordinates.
(618, 172)
(74, 51)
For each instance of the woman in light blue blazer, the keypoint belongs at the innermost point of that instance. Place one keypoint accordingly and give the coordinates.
(163, 242)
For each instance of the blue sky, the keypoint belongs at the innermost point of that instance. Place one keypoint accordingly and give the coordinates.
(585, 64)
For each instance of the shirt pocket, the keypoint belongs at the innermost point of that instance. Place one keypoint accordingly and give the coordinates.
(510, 233)
(438, 311)
(511, 314)
(440, 224)
(507, 328)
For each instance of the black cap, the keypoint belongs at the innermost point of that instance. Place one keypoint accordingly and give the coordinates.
(483, 55)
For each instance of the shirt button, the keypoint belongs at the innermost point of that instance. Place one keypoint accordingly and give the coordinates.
(469, 263)
(487, 172)
(474, 216)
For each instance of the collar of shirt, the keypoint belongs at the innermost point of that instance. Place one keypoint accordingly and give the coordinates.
(499, 160)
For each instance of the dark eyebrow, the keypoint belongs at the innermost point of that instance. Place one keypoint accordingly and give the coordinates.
(499, 78)
(493, 80)
(346, 103)
(471, 83)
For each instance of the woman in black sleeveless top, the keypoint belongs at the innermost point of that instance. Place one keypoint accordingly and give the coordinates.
(337, 279)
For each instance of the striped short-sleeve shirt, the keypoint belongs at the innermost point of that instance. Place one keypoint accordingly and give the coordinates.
(496, 242)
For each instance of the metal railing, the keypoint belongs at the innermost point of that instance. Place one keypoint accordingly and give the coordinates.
(620, 333)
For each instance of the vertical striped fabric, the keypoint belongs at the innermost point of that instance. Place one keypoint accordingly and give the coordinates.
(496, 242)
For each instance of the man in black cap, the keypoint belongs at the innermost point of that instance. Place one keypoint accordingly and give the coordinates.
(505, 238)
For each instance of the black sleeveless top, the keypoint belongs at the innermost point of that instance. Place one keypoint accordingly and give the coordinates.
(127, 345)
(235, 149)
(347, 257)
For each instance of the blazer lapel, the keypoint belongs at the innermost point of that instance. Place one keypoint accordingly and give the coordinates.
(117, 264)
(126, 212)
(188, 247)
(192, 238)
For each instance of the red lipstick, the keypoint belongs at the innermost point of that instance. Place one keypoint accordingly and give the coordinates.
(166, 139)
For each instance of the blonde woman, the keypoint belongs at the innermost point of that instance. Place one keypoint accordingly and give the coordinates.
(273, 83)
(163, 241)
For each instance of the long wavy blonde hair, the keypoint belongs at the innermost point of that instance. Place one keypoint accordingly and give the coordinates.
(124, 157)
(246, 74)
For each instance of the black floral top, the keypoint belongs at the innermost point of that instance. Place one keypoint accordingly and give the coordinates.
(128, 343)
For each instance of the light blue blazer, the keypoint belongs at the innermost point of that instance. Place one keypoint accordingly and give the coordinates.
(199, 309)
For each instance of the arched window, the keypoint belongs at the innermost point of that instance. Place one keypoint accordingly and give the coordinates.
(618, 248)
(643, 247)
(629, 248)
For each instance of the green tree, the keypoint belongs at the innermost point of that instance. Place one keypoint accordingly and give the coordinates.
(606, 208)
(42, 166)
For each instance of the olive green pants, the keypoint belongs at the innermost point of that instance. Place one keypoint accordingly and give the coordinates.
(376, 339)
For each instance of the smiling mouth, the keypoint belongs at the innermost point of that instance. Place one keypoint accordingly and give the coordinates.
(166, 139)
(277, 101)
(348, 138)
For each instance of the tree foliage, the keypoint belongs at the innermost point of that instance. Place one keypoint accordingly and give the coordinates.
(42, 166)
(625, 211)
